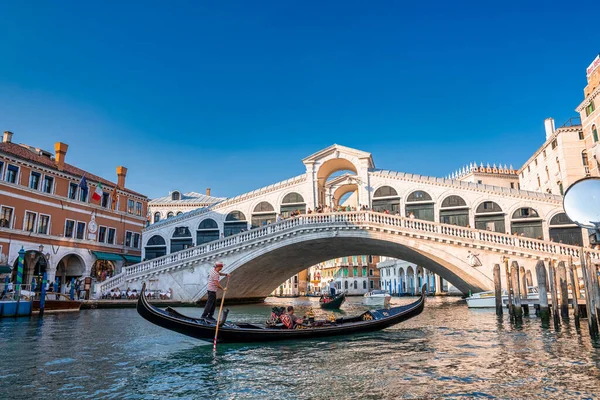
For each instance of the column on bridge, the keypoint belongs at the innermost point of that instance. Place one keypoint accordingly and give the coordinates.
(438, 285)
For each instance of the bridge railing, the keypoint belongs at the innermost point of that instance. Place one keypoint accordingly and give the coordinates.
(348, 218)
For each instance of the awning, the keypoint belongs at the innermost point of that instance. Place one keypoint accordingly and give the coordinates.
(108, 256)
(132, 259)
(5, 269)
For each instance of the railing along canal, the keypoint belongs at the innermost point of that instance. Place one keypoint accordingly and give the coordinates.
(344, 218)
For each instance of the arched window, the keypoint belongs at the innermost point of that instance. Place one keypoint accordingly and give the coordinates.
(386, 199)
(182, 231)
(454, 211)
(176, 195)
(525, 212)
(208, 230)
(182, 239)
(156, 247)
(489, 216)
(355, 285)
(156, 240)
(235, 222)
(292, 202)
(364, 284)
(179, 212)
(156, 217)
(527, 222)
(563, 230)
(424, 207)
(595, 133)
(346, 285)
(170, 214)
(292, 198)
(584, 158)
(263, 214)
(263, 206)
(560, 188)
(453, 201)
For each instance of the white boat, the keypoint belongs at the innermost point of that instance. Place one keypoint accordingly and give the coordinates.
(377, 297)
(488, 300)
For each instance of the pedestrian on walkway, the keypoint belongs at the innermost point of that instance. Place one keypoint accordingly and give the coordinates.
(213, 285)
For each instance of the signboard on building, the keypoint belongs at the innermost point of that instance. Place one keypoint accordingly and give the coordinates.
(595, 64)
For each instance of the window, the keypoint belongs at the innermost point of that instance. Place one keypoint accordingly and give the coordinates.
(80, 234)
(138, 208)
(595, 133)
(34, 180)
(130, 206)
(1, 166)
(544, 153)
(83, 194)
(175, 195)
(560, 188)
(12, 172)
(111, 235)
(29, 224)
(136, 240)
(589, 109)
(102, 234)
(371, 272)
(554, 144)
(43, 224)
(584, 158)
(581, 136)
(128, 236)
(105, 199)
(73, 190)
(371, 284)
(355, 271)
(364, 271)
(547, 174)
(6, 217)
(364, 284)
(69, 228)
(48, 184)
(535, 161)
(539, 182)
(512, 185)
(558, 164)
(479, 181)
(156, 217)
(529, 168)
(170, 214)
(370, 259)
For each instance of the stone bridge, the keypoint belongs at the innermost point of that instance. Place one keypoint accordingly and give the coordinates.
(260, 259)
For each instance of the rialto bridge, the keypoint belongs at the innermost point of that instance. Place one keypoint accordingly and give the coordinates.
(440, 224)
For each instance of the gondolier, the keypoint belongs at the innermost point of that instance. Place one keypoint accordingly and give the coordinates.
(213, 284)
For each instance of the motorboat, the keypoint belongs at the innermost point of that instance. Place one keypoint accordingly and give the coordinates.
(488, 299)
(242, 332)
(376, 297)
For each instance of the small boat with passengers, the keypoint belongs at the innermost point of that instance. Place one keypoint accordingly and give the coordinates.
(332, 303)
(241, 332)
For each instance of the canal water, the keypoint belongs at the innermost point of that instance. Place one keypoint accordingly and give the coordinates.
(448, 351)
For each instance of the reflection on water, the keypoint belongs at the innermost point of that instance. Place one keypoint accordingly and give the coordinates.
(448, 351)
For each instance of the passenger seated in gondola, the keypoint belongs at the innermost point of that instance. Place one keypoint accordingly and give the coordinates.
(289, 319)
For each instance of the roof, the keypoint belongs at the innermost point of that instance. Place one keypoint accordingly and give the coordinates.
(187, 198)
(25, 154)
(336, 147)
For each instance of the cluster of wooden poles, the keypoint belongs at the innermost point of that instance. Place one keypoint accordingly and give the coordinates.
(555, 278)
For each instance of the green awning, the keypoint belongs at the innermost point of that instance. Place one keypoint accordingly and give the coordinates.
(5, 269)
(107, 256)
(132, 259)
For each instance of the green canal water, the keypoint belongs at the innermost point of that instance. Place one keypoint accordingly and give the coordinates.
(446, 352)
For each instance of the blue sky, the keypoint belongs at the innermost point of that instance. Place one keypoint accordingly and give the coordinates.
(232, 96)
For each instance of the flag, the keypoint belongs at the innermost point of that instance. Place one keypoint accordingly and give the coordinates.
(97, 195)
(83, 183)
(114, 197)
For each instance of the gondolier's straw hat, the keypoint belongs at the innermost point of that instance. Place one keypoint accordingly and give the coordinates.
(219, 264)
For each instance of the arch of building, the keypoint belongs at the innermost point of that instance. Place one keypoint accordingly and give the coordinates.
(71, 265)
(343, 190)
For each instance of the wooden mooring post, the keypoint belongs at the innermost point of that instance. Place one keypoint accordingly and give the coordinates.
(553, 293)
(498, 289)
(540, 271)
(524, 289)
(589, 297)
(564, 290)
(508, 287)
(514, 275)
(593, 268)
(575, 290)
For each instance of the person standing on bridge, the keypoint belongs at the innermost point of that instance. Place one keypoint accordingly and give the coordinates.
(213, 284)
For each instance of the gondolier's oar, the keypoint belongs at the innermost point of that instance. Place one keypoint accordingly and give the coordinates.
(219, 316)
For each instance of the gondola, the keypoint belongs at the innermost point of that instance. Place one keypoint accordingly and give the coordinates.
(241, 332)
(334, 303)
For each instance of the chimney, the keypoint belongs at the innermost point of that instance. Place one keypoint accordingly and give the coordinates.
(549, 125)
(7, 137)
(61, 151)
(121, 174)
(208, 191)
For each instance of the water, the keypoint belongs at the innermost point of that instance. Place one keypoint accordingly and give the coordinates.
(446, 352)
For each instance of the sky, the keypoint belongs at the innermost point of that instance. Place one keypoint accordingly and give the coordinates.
(233, 95)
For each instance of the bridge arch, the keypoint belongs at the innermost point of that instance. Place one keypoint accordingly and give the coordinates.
(341, 191)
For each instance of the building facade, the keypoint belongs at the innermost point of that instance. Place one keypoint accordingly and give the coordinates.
(590, 119)
(495, 175)
(355, 275)
(48, 209)
(402, 278)
(177, 203)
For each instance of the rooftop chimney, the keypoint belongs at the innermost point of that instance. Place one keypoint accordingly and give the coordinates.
(7, 137)
(121, 174)
(61, 151)
(208, 191)
(549, 125)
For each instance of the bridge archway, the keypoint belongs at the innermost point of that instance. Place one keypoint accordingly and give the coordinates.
(263, 214)
(181, 239)
(292, 202)
(420, 204)
(343, 190)
(208, 230)
(489, 216)
(156, 247)
(328, 168)
(235, 222)
(455, 211)
(527, 222)
(563, 230)
(386, 198)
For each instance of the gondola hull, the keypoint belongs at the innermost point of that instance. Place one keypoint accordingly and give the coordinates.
(246, 332)
(333, 304)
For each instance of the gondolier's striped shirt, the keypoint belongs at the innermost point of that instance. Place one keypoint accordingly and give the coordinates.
(213, 280)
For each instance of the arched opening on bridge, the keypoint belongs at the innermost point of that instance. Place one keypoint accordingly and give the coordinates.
(263, 214)
(345, 196)
(208, 230)
(156, 217)
(327, 169)
(454, 211)
(527, 222)
(156, 247)
(420, 204)
(179, 213)
(102, 270)
(489, 216)
(34, 266)
(170, 214)
(182, 239)
(386, 198)
(69, 267)
(292, 202)
(563, 230)
(235, 222)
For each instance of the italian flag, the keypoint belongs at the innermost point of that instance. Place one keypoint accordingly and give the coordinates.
(97, 193)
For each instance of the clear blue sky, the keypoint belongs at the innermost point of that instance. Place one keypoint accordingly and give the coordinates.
(233, 95)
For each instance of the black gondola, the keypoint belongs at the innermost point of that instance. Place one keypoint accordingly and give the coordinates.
(199, 328)
(332, 304)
